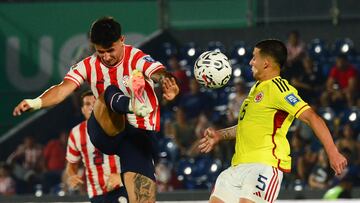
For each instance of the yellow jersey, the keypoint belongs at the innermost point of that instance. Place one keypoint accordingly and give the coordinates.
(264, 119)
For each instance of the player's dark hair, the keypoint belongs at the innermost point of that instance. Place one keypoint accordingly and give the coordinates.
(273, 48)
(105, 31)
(85, 94)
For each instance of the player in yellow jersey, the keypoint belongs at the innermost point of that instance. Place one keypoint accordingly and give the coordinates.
(262, 152)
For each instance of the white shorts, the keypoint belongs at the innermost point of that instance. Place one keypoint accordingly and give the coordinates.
(256, 182)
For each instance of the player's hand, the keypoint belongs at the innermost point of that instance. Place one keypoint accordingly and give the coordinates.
(170, 88)
(337, 161)
(208, 142)
(74, 181)
(21, 107)
(114, 180)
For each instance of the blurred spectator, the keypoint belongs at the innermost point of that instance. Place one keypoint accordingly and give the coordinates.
(166, 179)
(348, 141)
(201, 124)
(295, 47)
(341, 85)
(321, 174)
(184, 133)
(343, 184)
(309, 81)
(54, 161)
(180, 73)
(26, 162)
(7, 183)
(195, 102)
(296, 52)
(235, 100)
(297, 154)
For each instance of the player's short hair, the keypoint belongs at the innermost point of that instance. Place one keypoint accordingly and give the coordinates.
(105, 31)
(85, 94)
(273, 48)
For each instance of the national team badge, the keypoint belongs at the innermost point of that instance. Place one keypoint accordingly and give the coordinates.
(292, 99)
(259, 97)
(125, 80)
(149, 59)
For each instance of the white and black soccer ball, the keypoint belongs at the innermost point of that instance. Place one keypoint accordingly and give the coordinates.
(212, 69)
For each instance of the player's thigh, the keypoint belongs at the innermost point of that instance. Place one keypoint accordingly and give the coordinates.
(262, 183)
(106, 144)
(137, 152)
(248, 183)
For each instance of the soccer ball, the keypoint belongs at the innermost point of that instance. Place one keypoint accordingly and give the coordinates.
(212, 69)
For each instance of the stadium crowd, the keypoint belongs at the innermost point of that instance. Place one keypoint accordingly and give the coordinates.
(327, 79)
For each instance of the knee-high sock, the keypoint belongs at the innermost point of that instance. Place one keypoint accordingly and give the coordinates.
(116, 100)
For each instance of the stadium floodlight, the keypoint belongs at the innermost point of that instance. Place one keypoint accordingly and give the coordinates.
(241, 51)
(214, 167)
(352, 117)
(318, 49)
(237, 72)
(345, 48)
(187, 170)
(191, 52)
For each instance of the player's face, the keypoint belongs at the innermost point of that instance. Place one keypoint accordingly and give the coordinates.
(257, 64)
(88, 106)
(112, 55)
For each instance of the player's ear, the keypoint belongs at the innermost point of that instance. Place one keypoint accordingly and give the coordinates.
(122, 39)
(266, 62)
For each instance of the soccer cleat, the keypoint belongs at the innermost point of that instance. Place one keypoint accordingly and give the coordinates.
(137, 101)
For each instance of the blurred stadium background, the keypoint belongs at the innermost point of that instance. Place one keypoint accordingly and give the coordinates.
(40, 40)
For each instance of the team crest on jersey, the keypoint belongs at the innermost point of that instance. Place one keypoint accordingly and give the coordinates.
(259, 97)
(125, 80)
(149, 59)
(292, 99)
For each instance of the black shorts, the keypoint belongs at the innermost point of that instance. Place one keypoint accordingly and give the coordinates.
(137, 148)
(114, 196)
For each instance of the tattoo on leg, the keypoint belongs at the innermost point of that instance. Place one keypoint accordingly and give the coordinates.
(144, 189)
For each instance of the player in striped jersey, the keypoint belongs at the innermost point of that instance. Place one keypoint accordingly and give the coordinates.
(102, 171)
(123, 72)
(262, 152)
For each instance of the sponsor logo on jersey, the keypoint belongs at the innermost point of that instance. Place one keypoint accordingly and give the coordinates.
(259, 97)
(292, 99)
(149, 59)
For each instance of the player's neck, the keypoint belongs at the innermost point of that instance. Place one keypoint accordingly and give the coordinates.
(270, 76)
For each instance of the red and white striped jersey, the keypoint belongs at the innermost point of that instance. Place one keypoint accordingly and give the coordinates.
(100, 76)
(98, 166)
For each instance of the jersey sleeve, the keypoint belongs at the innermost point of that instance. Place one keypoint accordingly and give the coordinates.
(287, 99)
(77, 73)
(73, 154)
(148, 65)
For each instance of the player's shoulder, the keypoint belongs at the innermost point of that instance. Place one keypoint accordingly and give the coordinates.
(281, 85)
(76, 128)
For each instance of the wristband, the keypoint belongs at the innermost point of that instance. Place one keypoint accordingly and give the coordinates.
(35, 104)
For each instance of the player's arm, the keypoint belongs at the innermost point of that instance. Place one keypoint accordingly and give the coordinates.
(168, 83)
(50, 97)
(337, 161)
(71, 175)
(212, 137)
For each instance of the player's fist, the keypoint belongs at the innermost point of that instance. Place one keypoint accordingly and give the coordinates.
(113, 181)
(74, 181)
(27, 105)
